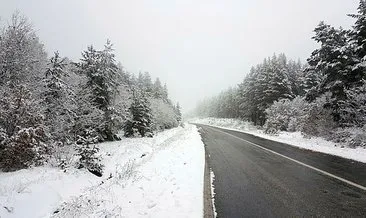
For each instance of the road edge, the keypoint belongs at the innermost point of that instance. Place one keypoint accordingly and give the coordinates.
(207, 195)
(208, 211)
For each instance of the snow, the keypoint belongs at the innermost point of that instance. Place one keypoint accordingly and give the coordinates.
(292, 138)
(143, 177)
(212, 178)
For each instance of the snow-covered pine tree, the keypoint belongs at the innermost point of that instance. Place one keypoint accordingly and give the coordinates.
(233, 102)
(157, 89)
(330, 60)
(296, 76)
(101, 71)
(312, 79)
(141, 117)
(333, 60)
(165, 93)
(58, 100)
(350, 112)
(147, 83)
(122, 100)
(87, 128)
(89, 159)
(279, 86)
(123, 76)
(227, 104)
(89, 119)
(110, 92)
(140, 81)
(266, 83)
(178, 112)
(357, 41)
(248, 104)
(260, 85)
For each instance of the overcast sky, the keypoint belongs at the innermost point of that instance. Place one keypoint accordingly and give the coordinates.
(198, 47)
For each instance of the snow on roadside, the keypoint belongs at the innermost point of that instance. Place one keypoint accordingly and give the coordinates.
(154, 177)
(212, 179)
(292, 138)
(36, 192)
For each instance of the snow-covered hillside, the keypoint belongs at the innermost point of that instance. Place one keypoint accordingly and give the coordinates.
(293, 138)
(154, 177)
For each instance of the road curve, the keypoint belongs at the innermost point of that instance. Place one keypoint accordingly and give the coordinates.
(255, 177)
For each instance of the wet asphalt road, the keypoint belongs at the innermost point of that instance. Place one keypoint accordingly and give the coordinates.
(253, 182)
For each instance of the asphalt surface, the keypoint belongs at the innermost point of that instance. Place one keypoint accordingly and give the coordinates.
(253, 182)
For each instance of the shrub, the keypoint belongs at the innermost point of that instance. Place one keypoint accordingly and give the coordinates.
(351, 136)
(164, 116)
(22, 134)
(284, 115)
(23, 149)
(89, 159)
(312, 119)
(318, 119)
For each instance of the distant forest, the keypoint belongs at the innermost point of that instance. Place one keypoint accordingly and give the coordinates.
(324, 97)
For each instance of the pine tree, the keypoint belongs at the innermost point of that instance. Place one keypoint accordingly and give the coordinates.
(89, 159)
(165, 93)
(297, 77)
(121, 101)
(266, 83)
(333, 60)
(147, 83)
(178, 112)
(58, 99)
(101, 71)
(141, 120)
(330, 60)
(88, 125)
(357, 42)
(111, 90)
(248, 107)
(278, 84)
(157, 89)
(140, 81)
(312, 79)
(89, 120)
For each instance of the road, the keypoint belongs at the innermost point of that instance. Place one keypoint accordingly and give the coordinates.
(255, 177)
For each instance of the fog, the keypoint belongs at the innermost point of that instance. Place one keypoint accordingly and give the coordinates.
(198, 48)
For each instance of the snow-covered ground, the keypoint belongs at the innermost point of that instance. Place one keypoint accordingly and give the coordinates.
(143, 177)
(293, 138)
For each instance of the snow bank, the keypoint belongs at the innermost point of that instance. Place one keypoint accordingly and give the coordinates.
(292, 138)
(154, 177)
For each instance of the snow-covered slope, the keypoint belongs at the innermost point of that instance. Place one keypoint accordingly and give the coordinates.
(154, 177)
(293, 138)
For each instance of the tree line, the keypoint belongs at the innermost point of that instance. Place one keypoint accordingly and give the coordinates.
(324, 97)
(51, 105)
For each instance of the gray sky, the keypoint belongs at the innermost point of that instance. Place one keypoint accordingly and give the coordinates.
(198, 47)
